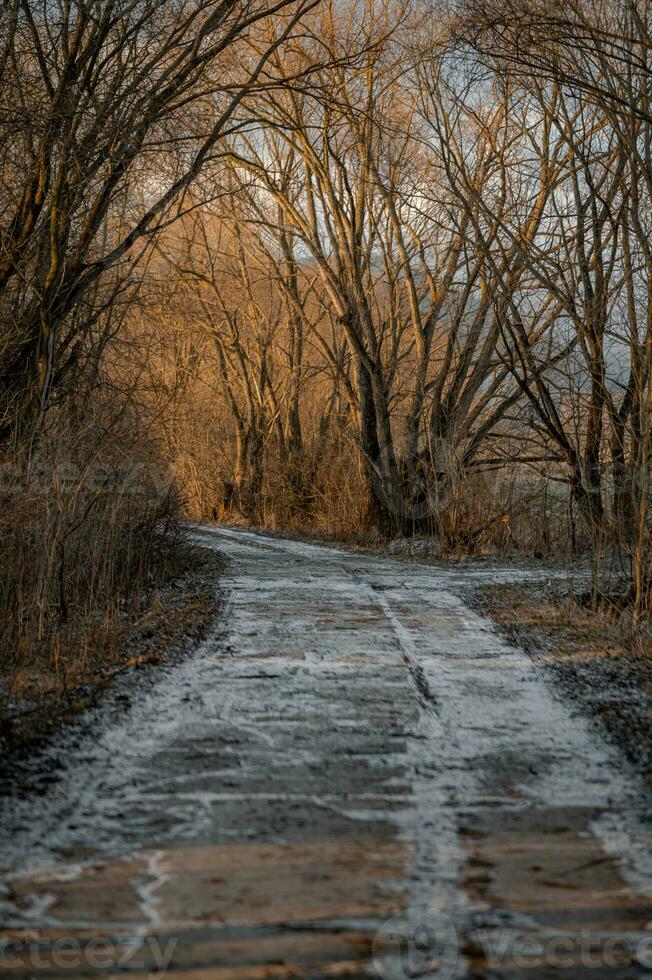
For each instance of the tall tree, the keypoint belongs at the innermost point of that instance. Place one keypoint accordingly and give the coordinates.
(109, 109)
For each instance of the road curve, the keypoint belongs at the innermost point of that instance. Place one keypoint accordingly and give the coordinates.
(353, 776)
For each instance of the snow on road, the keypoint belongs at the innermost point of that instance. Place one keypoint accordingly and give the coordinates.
(352, 745)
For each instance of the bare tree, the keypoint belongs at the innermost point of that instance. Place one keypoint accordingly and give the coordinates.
(597, 56)
(599, 48)
(109, 110)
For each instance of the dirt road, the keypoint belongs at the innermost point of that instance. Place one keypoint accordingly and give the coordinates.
(352, 745)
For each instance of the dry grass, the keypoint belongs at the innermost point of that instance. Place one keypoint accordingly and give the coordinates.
(85, 534)
(567, 628)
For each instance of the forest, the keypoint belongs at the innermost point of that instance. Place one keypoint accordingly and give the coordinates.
(357, 269)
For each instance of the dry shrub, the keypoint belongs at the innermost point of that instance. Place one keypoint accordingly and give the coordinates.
(324, 492)
(507, 509)
(89, 519)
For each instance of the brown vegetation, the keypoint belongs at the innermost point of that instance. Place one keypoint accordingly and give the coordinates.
(108, 111)
(424, 305)
(335, 267)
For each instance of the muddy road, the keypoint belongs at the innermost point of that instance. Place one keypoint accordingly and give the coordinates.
(353, 776)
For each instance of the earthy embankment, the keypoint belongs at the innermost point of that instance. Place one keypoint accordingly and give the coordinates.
(45, 694)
